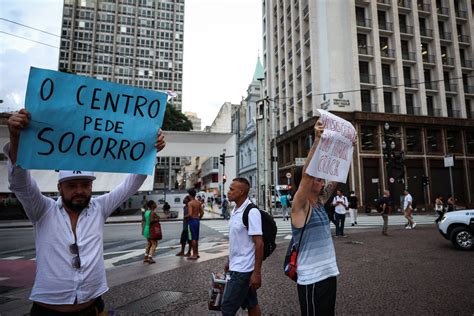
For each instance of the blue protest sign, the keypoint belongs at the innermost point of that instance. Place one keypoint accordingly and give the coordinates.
(81, 123)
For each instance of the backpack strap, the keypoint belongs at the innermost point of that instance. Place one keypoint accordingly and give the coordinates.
(245, 216)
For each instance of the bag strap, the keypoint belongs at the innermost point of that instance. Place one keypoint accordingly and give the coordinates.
(305, 222)
(245, 216)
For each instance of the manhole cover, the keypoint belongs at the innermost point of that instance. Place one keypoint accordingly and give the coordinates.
(152, 302)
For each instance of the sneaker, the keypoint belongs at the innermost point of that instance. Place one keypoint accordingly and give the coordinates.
(407, 227)
(150, 261)
(353, 224)
(414, 225)
(344, 236)
(356, 222)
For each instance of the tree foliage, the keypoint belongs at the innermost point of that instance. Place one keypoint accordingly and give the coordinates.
(175, 120)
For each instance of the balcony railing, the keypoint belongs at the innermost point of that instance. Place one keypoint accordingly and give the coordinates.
(443, 10)
(411, 83)
(448, 61)
(426, 32)
(404, 3)
(307, 62)
(450, 87)
(430, 85)
(445, 36)
(413, 110)
(466, 63)
(309, 88)
(367, 78)
(389, 81)
(424, 7)
(383, 1)
(463, 38)
(387, 26)
(428, 59)
(461, 14)
(434, 112)
(406, 29)
(468, 89)
(408, 56)
(389, 53)
(364, 23)
(369, 107)
(366, 50)
(392, 108)
(454, 113)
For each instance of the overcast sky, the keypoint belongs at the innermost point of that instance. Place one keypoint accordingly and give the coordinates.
(222, 41)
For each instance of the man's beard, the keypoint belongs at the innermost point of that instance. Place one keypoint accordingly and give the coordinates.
(76, 206)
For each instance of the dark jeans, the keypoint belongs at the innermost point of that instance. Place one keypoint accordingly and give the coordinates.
(238, 293)
(340, 219)
(440, 216)
(318, 298)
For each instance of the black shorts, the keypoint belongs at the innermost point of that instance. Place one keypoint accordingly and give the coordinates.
(318, 298)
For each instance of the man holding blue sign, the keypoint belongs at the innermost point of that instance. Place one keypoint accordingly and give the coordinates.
(70, 272)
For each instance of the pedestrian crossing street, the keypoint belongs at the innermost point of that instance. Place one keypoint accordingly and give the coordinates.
(363, 222)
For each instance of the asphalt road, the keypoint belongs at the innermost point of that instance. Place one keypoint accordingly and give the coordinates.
(410, 272)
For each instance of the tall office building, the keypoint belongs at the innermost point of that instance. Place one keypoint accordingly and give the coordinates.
(132, 42)
(400, 70)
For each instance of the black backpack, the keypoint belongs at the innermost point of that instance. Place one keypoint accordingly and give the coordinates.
(269, 229)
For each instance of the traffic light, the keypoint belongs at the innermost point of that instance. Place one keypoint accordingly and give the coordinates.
(224, 178)
(222, 159)
(425, 181)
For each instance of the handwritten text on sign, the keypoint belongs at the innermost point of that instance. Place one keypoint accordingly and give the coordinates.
(80, 123)
(333, 156)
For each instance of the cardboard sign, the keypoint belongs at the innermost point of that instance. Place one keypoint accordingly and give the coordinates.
(333, 156)
(81, 123)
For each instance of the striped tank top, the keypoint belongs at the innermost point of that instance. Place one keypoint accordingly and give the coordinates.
(316, 257)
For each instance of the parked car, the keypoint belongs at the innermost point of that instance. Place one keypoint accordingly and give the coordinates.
(458, 227)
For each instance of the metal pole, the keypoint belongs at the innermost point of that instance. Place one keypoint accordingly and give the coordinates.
(451, 180)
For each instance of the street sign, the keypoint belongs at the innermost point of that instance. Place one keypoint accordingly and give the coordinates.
(375, 180)
(288, 175)
(449, 161)
(325, 104)
(300, 161)
(341, 102)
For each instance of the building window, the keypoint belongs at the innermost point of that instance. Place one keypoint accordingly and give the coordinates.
(454, 141)
(368, 136)
(388, 103)
(434, 141)
(366, 101)
(470, 141)
(409, 104)
(413, 140)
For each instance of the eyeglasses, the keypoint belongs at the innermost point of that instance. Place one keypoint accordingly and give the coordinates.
(76, 261)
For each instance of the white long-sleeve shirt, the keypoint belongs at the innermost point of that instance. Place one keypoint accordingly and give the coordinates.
(57, 281)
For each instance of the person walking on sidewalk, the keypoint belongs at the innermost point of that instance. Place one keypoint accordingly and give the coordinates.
(184, 234)
(148, 217)
(451, 203)
(70, 272)
(285, 201)
(317, 268)
(195, 214)
(439, 208)
(408, 210)
(353, 200)
(385, 205)
(225, 207)
(341, 205)
(245, 254)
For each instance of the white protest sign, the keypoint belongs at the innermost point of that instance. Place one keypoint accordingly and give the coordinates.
(333, 156)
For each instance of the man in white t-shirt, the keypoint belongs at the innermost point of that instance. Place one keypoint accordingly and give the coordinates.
(245, 253)
(408, 210)
(340, 207)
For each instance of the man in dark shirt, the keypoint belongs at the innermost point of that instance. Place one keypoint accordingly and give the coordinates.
(385, 205)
